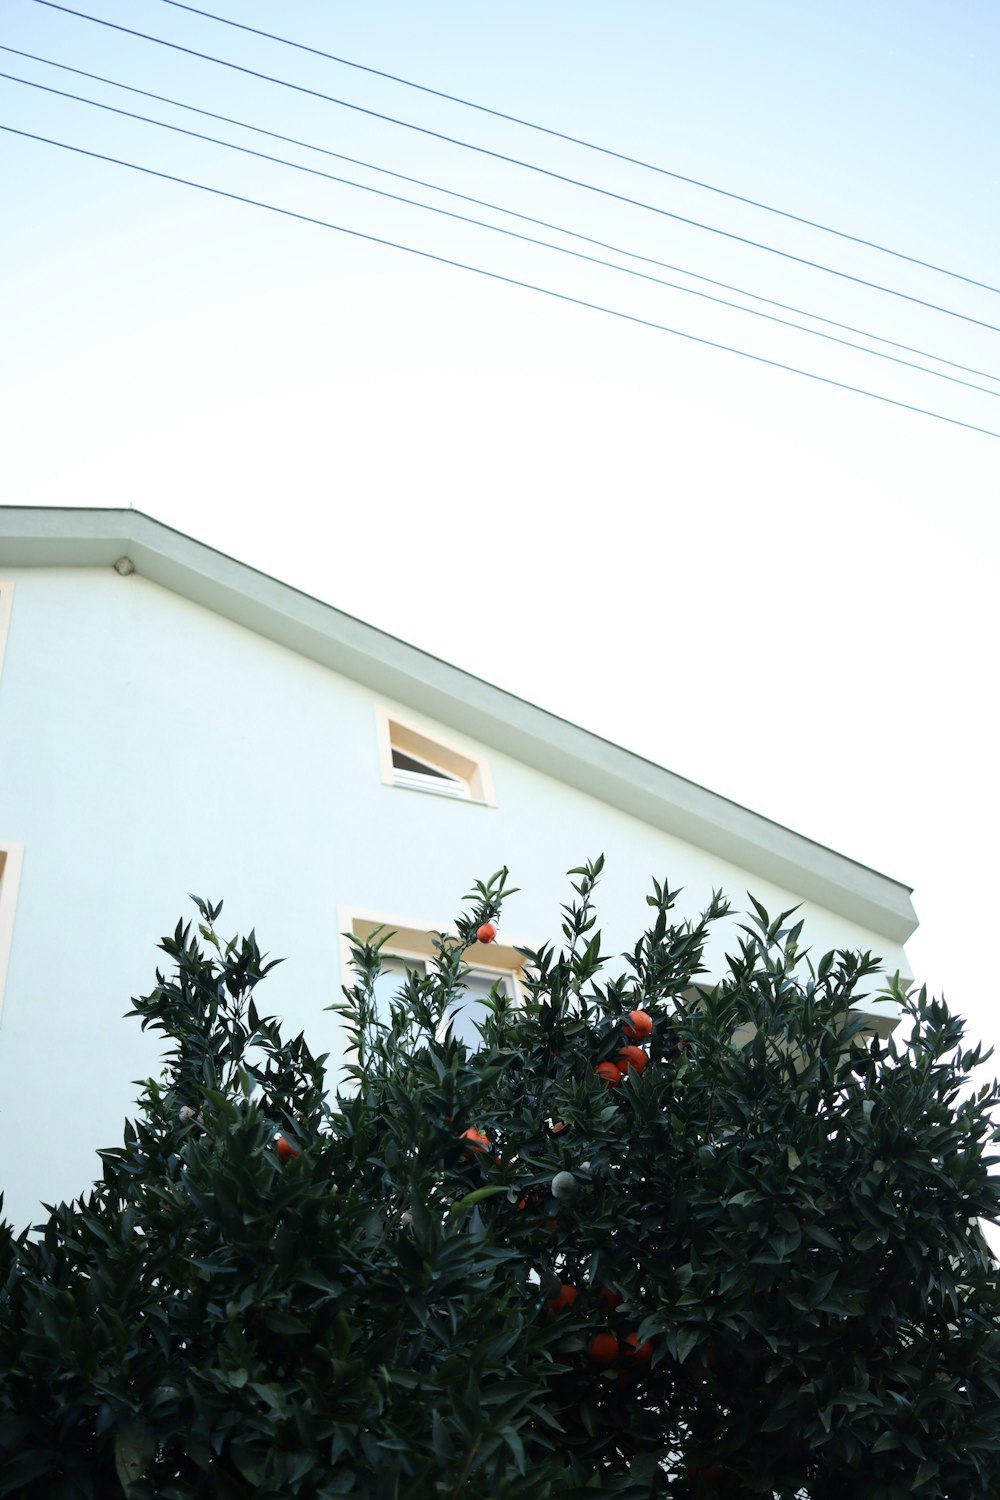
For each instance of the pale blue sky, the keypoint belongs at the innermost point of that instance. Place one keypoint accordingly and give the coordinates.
(778, 589)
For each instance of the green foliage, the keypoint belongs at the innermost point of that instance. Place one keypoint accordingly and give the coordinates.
(782, 1204)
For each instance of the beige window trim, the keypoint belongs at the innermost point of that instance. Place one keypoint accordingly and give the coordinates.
(6, 600)
(11, 859)
(415, 939)
(454, 769)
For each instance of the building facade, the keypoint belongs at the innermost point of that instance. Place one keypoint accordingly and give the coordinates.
(172, 721)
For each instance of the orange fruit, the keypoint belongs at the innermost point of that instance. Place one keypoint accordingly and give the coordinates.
(636, 1353)
(563, 1299)
(634, 1058)
(486, 933)
(610, 1072)
(638, 1026)
(478, 1141)
(609, 1299)
(603, 1349)
(284, 1150)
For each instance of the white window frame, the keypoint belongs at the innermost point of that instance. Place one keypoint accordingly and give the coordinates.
(6, 600)
(463, 773)
(11, 860)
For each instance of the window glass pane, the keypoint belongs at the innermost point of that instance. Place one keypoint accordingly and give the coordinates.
(404, 762)
(467, 1012)
(390, 981)
(470, 1011)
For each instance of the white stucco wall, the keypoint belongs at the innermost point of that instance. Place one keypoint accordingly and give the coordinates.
(150, 748)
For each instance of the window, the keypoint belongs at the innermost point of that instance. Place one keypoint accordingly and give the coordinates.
(463, 1017)
(880, 1016)
(10, 873)
(412, 947)
(418, 759)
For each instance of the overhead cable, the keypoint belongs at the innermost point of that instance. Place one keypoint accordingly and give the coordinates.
(436, 187)
(517, 162)
(498, 229)
(575, 140)
(506, 280)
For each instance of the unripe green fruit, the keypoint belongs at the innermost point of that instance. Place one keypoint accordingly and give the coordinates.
(564, 1186)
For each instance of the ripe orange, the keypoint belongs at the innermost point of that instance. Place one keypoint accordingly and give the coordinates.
(564, 1298)
(711, 1475)
(636, 1353)
(610, 1072)
(638, 1026)
(603, 1349)
(486, 933)
(633, 1057)
(609, 1299)
(478, 1141)
(284, 1150)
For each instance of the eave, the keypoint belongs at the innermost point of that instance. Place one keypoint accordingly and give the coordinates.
(77, 537)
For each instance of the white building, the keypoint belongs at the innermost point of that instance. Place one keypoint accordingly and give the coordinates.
(172, 721)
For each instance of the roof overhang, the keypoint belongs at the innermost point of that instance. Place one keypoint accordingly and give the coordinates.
(75, 537)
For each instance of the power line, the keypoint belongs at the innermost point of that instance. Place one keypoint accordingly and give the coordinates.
(517, 162)
(500, 209)
(506, 280)
(575, 140)
(498, 229)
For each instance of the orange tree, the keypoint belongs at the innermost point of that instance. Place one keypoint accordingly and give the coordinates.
(748, 1264)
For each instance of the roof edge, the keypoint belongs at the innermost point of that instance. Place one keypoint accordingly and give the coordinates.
(88, 536)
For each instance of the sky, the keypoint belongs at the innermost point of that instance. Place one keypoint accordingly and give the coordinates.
(773, 586)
